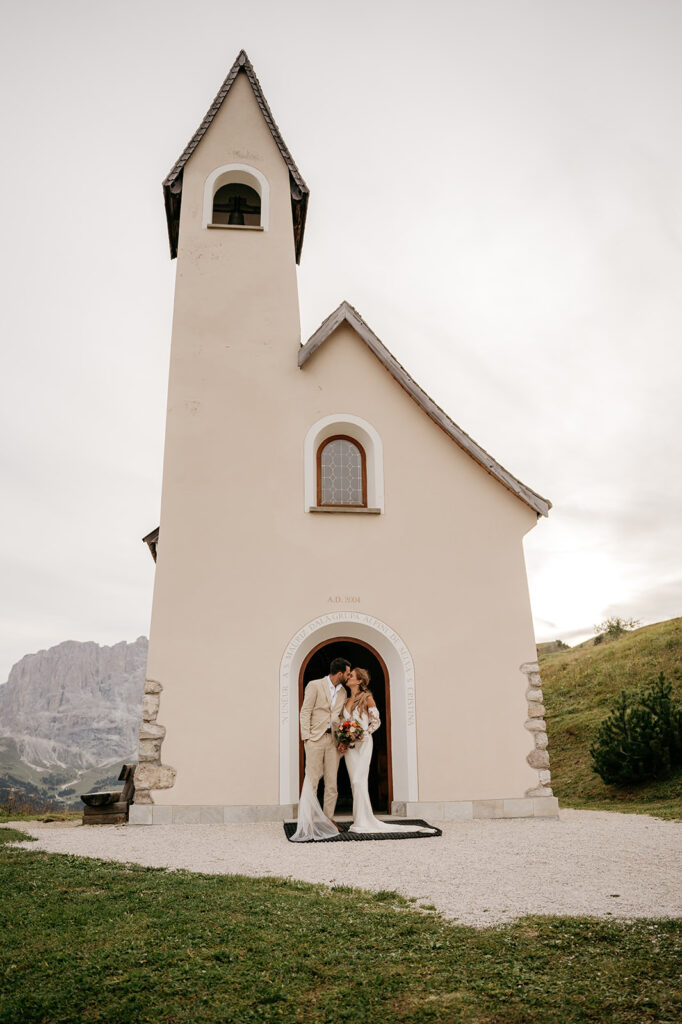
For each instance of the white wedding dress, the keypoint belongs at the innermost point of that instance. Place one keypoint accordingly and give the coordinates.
(358, 760)
(314, 824)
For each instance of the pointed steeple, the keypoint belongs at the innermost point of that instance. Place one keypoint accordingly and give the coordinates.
(172, 185)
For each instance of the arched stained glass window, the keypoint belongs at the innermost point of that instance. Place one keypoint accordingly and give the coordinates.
(341, 472)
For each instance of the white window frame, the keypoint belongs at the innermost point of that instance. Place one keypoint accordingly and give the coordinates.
(241, 174)
(362, 431)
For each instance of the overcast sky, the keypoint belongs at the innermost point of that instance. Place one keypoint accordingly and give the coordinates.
(495, 185)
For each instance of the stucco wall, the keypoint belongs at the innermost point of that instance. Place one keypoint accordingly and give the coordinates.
(242, 566)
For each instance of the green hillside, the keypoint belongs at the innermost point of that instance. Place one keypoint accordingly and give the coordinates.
(579, 686)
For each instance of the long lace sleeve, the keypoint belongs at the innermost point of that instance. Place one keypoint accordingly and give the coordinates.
(374, 720)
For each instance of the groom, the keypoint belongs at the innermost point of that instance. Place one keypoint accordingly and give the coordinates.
(323, 698)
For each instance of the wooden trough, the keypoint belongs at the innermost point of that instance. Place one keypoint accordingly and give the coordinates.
(110, 808)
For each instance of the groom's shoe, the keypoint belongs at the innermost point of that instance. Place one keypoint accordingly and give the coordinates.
(337, 824)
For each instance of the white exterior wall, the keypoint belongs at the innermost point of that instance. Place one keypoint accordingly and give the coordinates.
(243, 568)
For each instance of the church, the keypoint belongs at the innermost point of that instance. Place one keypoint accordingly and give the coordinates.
(317, 503)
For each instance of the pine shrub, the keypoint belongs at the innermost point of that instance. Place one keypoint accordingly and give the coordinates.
(642, 737)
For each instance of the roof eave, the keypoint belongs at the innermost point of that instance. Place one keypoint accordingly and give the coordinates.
(152, 541)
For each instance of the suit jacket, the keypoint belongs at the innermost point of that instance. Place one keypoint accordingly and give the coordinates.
(316, 710)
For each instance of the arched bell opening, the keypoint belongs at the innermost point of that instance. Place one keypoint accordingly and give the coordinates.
(361, 655)
(237, 205)
(236, 195)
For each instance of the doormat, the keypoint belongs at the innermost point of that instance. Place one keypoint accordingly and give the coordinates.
(345, 836)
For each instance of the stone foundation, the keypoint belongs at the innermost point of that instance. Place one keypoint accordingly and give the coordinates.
(460, 810)
(467, 810)
(209, 814)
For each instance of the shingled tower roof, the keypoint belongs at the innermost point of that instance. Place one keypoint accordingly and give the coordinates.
(172, 185)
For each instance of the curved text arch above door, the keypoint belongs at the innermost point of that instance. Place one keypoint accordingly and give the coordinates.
(393, 650)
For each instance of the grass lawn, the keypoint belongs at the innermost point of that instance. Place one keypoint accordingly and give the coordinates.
(579, 687)
(47, 816)
(85, 940)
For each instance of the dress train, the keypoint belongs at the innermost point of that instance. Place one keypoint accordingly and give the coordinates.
(358, 759)
(313, 823)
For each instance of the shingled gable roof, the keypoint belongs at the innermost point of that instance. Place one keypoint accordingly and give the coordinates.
(345, 312)
(172, 186)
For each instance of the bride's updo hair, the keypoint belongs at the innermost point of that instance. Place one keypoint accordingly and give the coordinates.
(364, 695)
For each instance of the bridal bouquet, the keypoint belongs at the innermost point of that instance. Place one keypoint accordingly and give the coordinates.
(348, 733)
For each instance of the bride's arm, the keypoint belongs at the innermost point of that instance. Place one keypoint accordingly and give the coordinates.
(374, 719)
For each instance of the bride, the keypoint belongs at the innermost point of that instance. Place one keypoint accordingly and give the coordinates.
(362, 708)
(312, 821)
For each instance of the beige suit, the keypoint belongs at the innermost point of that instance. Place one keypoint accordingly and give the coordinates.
(321, 755)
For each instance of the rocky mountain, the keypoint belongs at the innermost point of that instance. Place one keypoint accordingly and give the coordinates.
(71, 710)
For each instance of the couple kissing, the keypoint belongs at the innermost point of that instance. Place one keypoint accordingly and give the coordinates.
(335, 723)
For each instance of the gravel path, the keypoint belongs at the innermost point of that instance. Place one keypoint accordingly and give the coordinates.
(479, 873)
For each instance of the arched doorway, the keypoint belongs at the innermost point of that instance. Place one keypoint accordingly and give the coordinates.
(380, 637)
(361, 655)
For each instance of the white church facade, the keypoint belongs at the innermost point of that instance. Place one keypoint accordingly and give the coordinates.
(317, 503)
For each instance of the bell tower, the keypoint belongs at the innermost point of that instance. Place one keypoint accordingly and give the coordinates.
(236, 208)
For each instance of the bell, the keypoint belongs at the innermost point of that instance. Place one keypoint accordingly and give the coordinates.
(236, 214)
